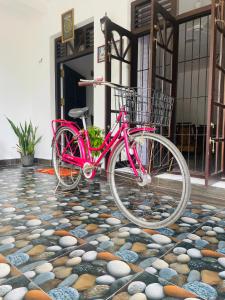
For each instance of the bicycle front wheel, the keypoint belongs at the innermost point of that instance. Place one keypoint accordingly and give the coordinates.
(159, 195)
(66, 143)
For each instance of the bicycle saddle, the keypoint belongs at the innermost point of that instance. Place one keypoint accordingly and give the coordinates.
(77, 112)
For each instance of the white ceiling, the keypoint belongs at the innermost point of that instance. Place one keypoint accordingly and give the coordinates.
(83, 65)
(40, 6)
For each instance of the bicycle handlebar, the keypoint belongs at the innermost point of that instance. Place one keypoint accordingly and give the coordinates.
(97, 81)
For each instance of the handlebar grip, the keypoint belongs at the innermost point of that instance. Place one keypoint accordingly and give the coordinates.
(99, 78)
(83, 83)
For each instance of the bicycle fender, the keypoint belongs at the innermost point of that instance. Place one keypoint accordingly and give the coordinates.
(136, 130)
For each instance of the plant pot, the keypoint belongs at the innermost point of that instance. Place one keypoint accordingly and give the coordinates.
(27, 160)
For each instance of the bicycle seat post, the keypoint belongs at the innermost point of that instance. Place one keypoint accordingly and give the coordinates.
(84, 122)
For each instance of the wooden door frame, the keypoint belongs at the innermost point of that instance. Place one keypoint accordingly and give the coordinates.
(213, 66)
(108, 27)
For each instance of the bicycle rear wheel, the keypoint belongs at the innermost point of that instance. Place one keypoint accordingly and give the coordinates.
(66, 142)
(159, 197)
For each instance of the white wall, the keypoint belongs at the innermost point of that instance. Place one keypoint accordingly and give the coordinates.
(44, 97)
(15, 76)
(27, 61)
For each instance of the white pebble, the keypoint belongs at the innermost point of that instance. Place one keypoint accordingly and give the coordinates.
(221, 261)
(208, 207)
(210, 233)
(94, 243)
(94, 215)
(8, 240)
(154, 246)
(206, 228)
(78, 208)
(179, 250)
(67, 241)
(151, 270)
(46, 267)
(138, 296)
(48, 232)
(103, 238)
(154, 291)
(183, 258)
(159, 264)
(54, 248)
(105, 279)
(33, 236)
(123, 234)
(161, 239)
(194, 253)
(75, 253)
(189, 220)
(113, 221)
(16, 294)
(4, 270)
(8, 209)
(218, 230)
(135, 230)
(89, 256)
(30, 274)
(193, 237)
(33, 222)
(118, 268)
(124, 229)
(64, 221)
(5, 289)
(73, 261)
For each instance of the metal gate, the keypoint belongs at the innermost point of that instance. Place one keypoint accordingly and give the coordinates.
(156, 28)
(192, 94)
(163, 56)
(215, 146)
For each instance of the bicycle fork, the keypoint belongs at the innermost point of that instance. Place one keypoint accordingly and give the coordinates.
(143, 178)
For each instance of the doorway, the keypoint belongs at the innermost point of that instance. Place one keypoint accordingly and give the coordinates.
(75, 96)
(74, 61)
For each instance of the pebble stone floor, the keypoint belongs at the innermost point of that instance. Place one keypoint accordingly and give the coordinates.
(70, 246)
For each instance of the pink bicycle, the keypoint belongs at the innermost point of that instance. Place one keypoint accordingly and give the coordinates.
(147, 174)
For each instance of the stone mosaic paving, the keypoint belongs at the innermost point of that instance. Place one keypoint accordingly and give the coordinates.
(69, 246)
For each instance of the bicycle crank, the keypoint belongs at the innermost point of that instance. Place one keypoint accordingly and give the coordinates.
(89, 170)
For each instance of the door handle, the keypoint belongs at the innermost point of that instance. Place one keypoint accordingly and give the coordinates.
(212, 142)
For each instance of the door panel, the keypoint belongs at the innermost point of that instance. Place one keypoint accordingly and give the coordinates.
(215, 147)
(120, 62)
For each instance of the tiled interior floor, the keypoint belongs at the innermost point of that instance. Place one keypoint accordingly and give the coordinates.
(68, 246)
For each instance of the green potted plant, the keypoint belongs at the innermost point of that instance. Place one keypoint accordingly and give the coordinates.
(27, 140)
(96, 136)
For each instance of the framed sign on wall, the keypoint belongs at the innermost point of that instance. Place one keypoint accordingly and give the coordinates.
(101, 51)
(67, 20)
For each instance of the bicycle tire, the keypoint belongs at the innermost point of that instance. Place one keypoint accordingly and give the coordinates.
(61, 180)
(185, 179)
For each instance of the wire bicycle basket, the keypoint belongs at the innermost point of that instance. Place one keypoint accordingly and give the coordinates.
(144, 106)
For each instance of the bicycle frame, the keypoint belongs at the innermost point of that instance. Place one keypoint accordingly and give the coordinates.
(109, 142)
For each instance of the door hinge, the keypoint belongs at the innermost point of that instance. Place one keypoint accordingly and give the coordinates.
(62, 73)
(62, 101)
(212, 142)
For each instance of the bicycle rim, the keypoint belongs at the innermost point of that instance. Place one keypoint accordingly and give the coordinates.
(159, 197)
(68, 175)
